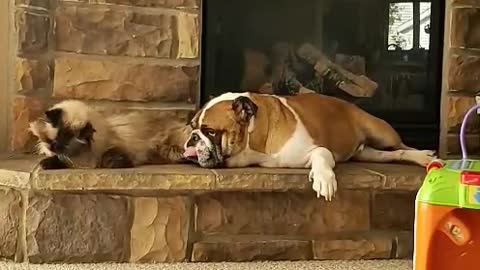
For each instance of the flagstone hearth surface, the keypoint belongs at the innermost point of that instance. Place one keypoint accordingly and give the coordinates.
(181, 213)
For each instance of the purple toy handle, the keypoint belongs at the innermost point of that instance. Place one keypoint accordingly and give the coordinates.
(462, 130)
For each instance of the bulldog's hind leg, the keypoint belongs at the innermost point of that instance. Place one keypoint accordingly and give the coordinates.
(383, 144)
(420, 157)
(322, 175)
(380, 134)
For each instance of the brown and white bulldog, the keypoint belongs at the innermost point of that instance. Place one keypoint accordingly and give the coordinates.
(304, 131)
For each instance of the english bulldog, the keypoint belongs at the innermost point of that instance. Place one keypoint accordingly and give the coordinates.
(303, 131)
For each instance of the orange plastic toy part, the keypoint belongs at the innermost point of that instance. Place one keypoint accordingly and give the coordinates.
(447, 238)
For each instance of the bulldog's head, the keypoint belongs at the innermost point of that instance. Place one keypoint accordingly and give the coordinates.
(220, 129)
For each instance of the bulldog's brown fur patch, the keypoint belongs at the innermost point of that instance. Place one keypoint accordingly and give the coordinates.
(342, 126)
(331, 125)
(274, 125)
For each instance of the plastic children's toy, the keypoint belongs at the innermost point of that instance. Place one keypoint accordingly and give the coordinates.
(447, 225)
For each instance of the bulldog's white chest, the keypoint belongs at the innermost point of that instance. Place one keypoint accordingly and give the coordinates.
(295, 153)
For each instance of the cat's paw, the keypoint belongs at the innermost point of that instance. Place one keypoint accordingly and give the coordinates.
(53, 163)
(115, 158)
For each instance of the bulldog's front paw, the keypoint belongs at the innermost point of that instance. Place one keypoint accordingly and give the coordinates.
(324, 183)
(322, 175)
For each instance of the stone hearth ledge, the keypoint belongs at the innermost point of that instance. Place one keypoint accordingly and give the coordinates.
(19, 172)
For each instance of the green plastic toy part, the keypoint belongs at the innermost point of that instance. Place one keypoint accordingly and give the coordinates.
(457, 182)
(443, 186)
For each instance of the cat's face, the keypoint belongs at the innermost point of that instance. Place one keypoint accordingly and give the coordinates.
(58, 136)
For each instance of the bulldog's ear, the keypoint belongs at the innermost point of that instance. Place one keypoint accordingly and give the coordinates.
(194, 122)
(244, 108)
(54, 116)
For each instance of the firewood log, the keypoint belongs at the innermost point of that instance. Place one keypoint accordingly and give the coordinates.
(355, 85)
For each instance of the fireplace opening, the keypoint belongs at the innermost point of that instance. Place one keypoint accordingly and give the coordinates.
(384, 56)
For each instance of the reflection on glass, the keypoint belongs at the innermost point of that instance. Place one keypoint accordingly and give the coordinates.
(400, 29)
(425, 12)
(251, 46)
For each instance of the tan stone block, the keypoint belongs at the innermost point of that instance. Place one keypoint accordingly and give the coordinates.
(393, 211)
(10, 212)
(160, 230)
(15, 170)
(457, 108)
(32, 29)
(404, 242)
(373, 246)
(350, 175)
(181, 112)
(188, 29)
(107, 31)
(34, 3)
(390, 176)
(466, 2)
(463, 73)
(153, 3)
(472, 143)
(24, 110)
(465, 28)
(87, 78)
(365, 176)
(77, 228)
(250, 248)
(143, 179)
(32, 74)
(282, 213)
(257, 179)
(17, 163)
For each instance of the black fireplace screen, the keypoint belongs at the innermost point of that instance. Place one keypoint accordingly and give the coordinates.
(384, 56)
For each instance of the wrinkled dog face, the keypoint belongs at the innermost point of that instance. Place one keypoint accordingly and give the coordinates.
(57, 136)
(220, 130)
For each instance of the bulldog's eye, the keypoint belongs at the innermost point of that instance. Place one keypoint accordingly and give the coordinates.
(211, 133)
(195, 137)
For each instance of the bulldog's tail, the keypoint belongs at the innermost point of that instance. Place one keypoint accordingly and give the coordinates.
(379, 134)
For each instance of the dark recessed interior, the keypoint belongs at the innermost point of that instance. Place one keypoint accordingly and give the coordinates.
(397, 44)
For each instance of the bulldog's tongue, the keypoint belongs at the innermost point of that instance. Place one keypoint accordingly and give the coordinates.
(190, 152)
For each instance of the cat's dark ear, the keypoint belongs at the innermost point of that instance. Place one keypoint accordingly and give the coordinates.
(54, 116)
(87, 132)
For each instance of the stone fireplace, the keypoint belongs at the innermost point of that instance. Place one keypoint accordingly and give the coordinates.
(146, 55)
(169, 57)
